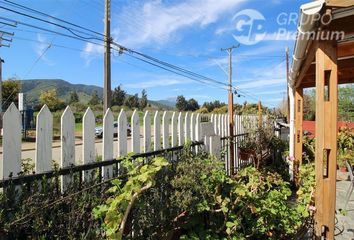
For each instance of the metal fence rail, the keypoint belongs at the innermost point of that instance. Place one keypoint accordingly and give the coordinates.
(236, 141)
(170, 153)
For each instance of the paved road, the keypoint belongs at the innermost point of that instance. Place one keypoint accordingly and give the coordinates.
(78, 150)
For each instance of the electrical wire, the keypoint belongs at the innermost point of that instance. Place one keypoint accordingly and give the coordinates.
(52, 17)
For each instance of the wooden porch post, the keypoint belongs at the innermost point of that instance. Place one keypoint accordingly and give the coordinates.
(326, 138)
(299, 103)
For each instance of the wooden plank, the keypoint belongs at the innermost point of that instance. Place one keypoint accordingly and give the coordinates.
(107, 143)
(157, 131)
(198, 127)
(165, 130)
(88, 140)
(67, 144)
(44, 137)
(122, 134)
(174, 136)
(192, 127)
(10, 164)
(219, 124)
(187, 134)
(135, 124)
(339, 3)
(180, 130)
(147, 132)
(326, 121)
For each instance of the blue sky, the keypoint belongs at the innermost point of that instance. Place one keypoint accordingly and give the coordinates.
(187, 33)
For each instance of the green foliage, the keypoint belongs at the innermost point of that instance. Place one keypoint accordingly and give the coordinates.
(117, 208)
(181, 103)
(10, 90)
(345, 143)
(132, 101)
(144, 100)
(202, 110)
(118, 96)
(51, 99)
(95, 99)
(74, 97)
(210, 106)
(192, 105)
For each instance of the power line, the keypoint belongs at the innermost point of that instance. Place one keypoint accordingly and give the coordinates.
(50, 16)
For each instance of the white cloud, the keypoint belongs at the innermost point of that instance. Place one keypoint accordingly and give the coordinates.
(156, 83)
(261, 83)
(154, 22)
(91, 51)
(41, 49)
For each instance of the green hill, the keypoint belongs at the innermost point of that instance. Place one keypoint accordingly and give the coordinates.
(32, 88)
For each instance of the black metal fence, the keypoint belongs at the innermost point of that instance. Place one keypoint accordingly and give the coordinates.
(238, 160)
(33, 205)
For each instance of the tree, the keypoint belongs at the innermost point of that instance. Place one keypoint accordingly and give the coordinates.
(181, 103)
(143, 100)
(95, 99)
(132, 101)
(10, 91)
(192, 105)
(118, 96)
(346, 103)
(74, 98)
(51, 99)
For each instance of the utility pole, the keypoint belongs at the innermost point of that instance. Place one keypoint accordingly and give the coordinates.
(2, 38)
(231, 110)
(287, 80)
(107, 57)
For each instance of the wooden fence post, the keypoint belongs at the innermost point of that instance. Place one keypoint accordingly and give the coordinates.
(11, 162)
(192, 127)
(174, 129)
(147, 132)
(157, 131)
(165, 130)
(67, 145)
(107, 144)
(135, 124)
(122, 134)
(187, 135)
(44, 138)
(88, 140)
(180, 130)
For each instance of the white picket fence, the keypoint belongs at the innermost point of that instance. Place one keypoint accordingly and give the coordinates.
(174, 129)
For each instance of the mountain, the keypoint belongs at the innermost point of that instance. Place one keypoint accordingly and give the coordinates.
(167, 102)
(32, 88)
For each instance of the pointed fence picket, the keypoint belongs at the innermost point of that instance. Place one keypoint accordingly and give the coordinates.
(122, 134)
(197, 127)
(44, 136)
(67, 144)
(165, 130)
(135, 124)
(192, 126)
(187, 135)
(174, 129)
(107, 143)
(11, 162)
(147, 132)
(88, 140)
(157, 131)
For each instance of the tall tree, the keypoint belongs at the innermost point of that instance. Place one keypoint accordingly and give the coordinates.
(74, 97)
(51, 99)
(10, 91)
(132, 101)
(181, 103)
(95, 99)
(192, 105)
(118, 96)
(143, 100)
